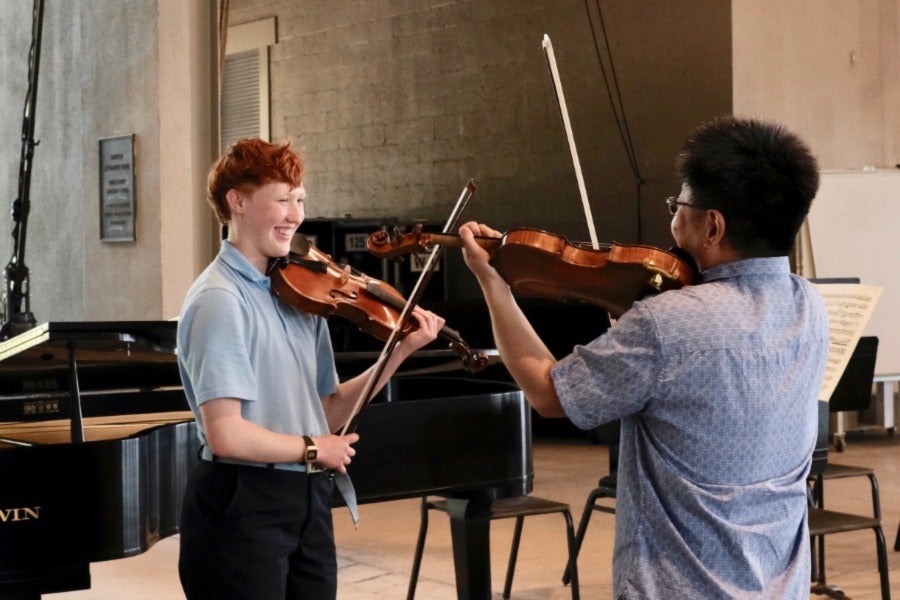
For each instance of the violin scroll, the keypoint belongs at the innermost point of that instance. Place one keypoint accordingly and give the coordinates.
(393, 244)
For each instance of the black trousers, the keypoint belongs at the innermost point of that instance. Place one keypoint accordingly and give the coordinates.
(251, 533)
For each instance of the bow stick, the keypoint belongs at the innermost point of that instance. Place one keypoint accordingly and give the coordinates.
(412, 302)
(561, 99)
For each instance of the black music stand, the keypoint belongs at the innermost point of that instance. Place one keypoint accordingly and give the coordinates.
(854, 390)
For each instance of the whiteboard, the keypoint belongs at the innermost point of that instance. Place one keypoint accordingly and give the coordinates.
(854, 227)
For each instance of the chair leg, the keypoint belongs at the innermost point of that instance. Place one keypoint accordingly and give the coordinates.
(882, 564)
(513, 554)
(579, 537)
(897, 540)
(420, 548)
(821, 560)
(572, 569)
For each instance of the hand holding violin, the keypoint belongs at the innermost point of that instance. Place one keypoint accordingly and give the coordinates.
(476, 257)
(430, 325)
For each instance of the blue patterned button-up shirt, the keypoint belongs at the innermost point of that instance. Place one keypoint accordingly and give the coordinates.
(717, 386)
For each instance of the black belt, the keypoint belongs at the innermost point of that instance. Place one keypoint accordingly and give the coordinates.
(207, 455)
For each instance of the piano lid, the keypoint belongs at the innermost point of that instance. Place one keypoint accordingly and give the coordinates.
(107, 354)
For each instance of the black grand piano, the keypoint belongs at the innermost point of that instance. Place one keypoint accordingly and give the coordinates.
(96, 441)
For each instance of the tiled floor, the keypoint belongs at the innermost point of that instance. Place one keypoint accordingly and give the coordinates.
(375, 559)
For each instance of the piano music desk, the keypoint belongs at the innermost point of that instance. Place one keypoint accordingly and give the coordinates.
(58, 431)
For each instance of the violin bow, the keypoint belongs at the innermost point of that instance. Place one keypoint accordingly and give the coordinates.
(561, 99)
(411, 302)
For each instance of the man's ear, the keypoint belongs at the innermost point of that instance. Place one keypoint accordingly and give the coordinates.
(715, 228)
(235, 201)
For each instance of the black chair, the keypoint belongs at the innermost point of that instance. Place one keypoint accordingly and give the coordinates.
(503, 508)
(824, 522)
(852, 392)
(853, 389)
(608, 434)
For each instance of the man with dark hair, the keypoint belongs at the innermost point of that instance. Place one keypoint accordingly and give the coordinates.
(716, 384)
(761, 177)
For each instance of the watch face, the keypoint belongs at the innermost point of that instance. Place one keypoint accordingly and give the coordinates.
(311, 453)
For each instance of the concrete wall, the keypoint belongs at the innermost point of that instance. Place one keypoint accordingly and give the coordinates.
(55, 229)
(118, 92)
(109, 67)
(397, 104)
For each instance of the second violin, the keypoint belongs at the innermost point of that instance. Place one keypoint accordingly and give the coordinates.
(547, 265)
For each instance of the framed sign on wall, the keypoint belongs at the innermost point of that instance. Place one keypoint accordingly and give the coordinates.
(117, 206)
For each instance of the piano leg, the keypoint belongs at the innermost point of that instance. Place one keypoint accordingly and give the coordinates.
(470, 531)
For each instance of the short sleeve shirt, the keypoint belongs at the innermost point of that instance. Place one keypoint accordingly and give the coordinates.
(717, 388)
(236, 339)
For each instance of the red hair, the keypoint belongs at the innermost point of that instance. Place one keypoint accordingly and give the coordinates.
(251, 163)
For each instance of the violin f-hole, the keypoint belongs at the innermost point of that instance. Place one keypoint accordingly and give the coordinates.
(335, 292)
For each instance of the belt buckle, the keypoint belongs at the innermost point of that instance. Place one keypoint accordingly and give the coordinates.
(314, 467)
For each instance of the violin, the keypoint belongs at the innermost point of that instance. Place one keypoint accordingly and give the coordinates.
(547, 265)
(309, 280)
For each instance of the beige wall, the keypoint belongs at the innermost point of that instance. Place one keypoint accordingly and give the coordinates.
(830, 70)
(827, 69)
(188, 143)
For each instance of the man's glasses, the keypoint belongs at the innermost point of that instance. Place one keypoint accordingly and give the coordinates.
(673, 203)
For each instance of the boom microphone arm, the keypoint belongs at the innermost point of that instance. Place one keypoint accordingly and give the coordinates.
(17, 315)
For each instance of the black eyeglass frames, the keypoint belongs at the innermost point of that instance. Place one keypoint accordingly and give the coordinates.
(673, 203)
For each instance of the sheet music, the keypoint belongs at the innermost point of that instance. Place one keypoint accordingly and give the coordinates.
(849, 306)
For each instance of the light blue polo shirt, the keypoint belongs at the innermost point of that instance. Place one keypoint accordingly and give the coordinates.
(236, 339)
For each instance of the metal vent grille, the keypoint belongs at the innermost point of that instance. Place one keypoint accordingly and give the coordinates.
(240, 97)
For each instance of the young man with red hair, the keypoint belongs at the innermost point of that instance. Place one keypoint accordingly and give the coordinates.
(260, 378)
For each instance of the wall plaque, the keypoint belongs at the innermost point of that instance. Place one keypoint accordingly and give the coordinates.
(117, 189)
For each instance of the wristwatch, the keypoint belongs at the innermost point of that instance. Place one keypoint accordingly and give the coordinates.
(312, 453)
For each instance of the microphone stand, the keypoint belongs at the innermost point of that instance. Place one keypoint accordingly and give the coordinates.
(17, 317)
